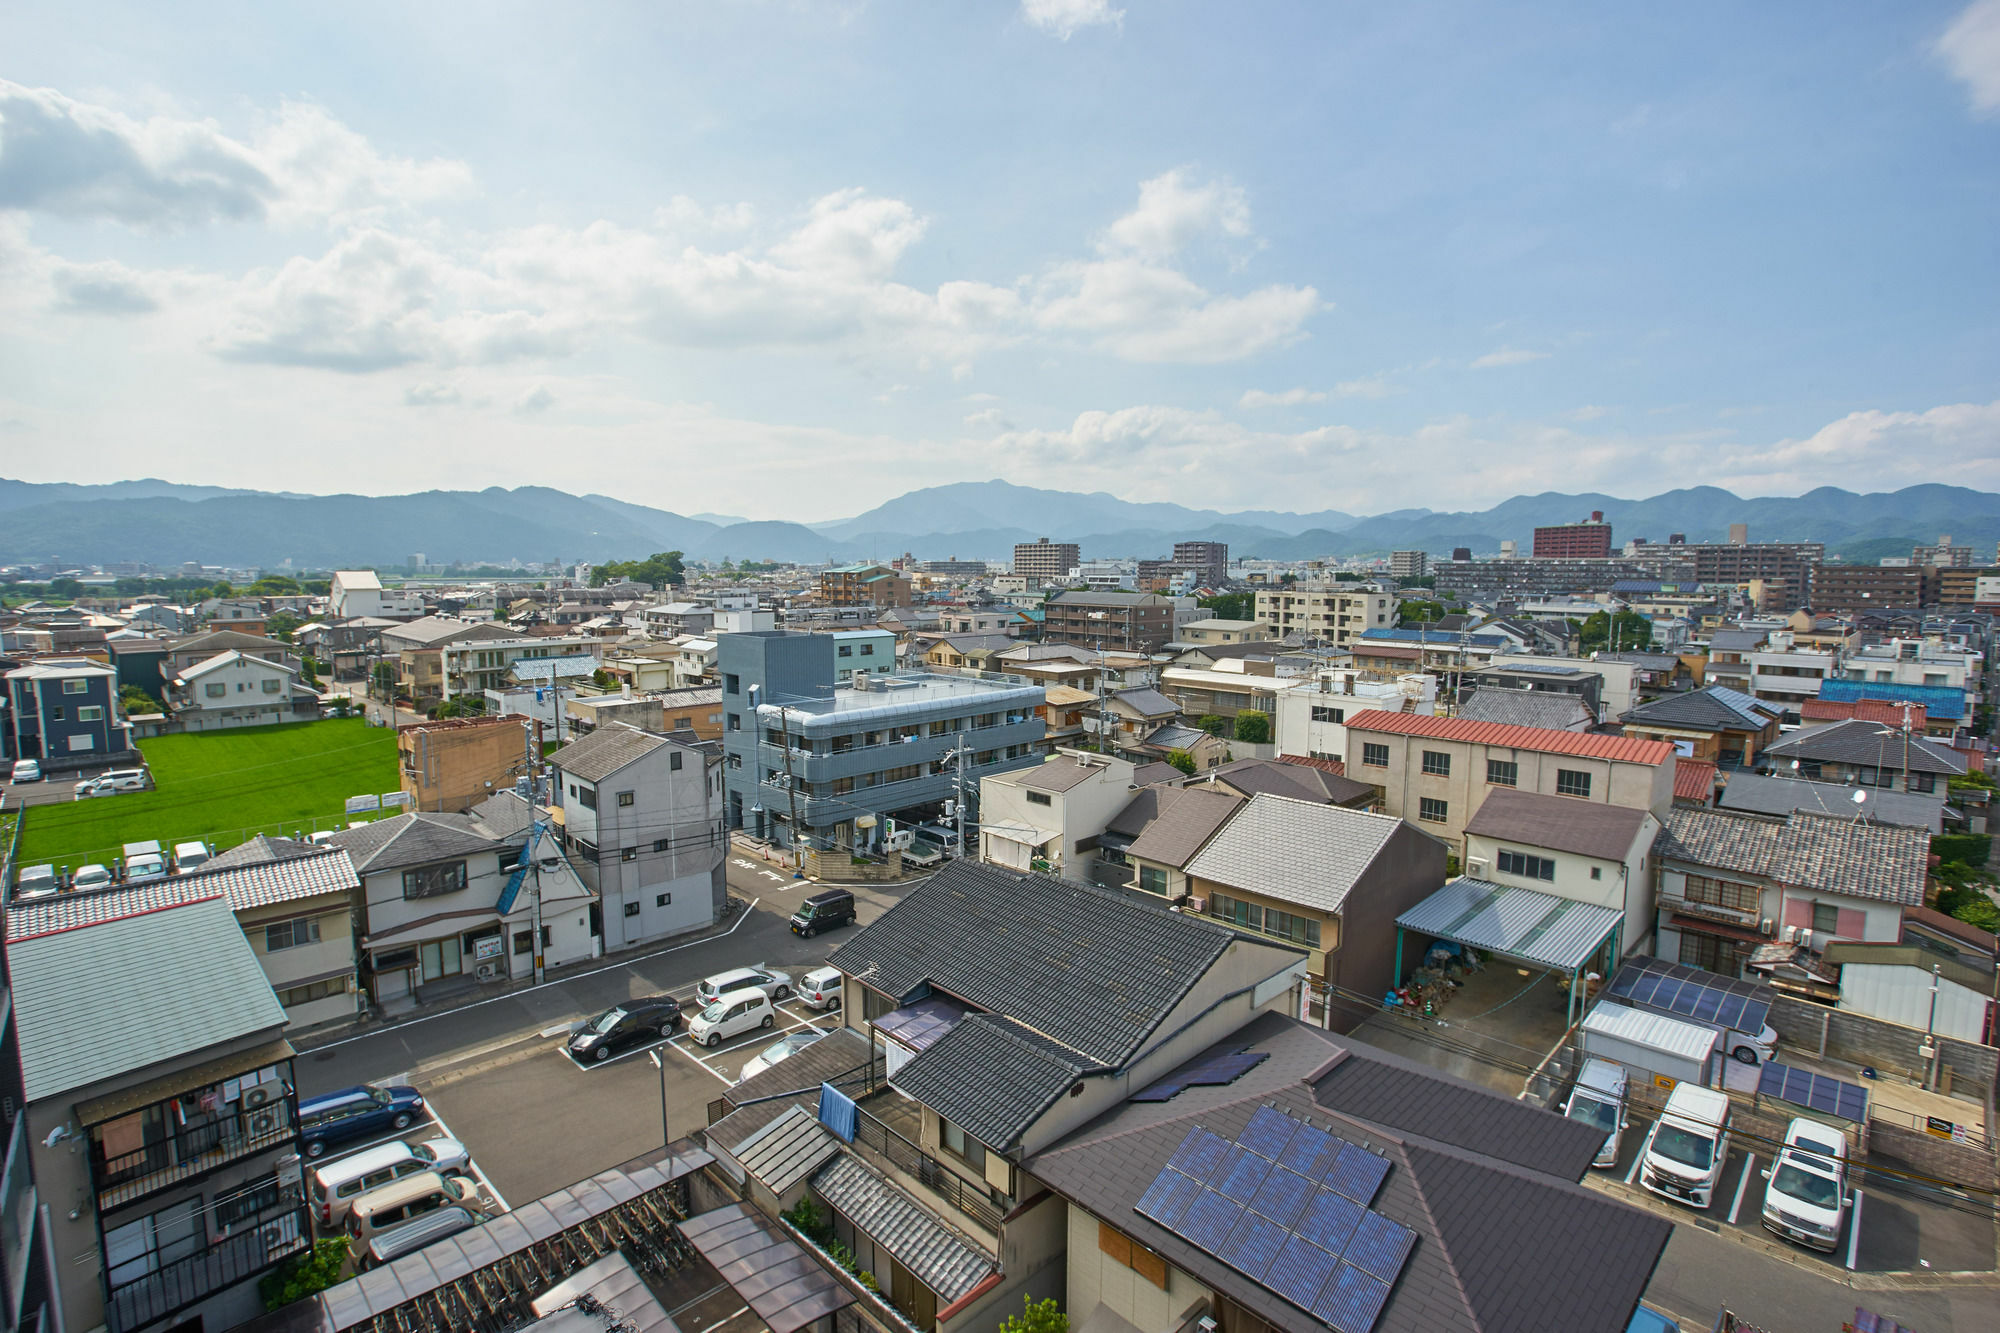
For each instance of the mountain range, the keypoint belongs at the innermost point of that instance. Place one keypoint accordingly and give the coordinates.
(165, 524)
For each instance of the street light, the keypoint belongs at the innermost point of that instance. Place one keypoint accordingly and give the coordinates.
(665, 1137)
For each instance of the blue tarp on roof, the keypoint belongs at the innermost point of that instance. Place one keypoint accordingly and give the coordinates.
(1940, 701)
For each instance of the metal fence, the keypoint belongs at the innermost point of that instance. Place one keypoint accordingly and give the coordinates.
(911, 1159)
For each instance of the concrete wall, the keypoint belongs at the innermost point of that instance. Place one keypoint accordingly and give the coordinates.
(1859, 1039)
(1095, 1278)
(1931, 1155)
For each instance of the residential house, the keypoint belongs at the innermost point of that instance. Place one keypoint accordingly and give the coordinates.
(470, 664)
(1147, 845)
(1655, 674)
(1226, 631)
(139, 662)
(1312, 713)
(1063, 712)
(160, 1117)
(865, 652)
(1450, 656)
(358, 592)
(1132, 622)
(1881, 712)
(1047, 817)
(1730, 650)
(1929, 662)
(1570, 677)
(295, 902)
(1476, 1199)
(1787, 675)
(235, 689)
(642, 814)
(1301, 779)
(453, 764)
(1781, 793)
(1323, 877)
(966, 652)
(418, 649)
(1435, 771)
(1582, 852)
(694, 662)
(1130, 716)
(232, 615)
(27, 1263)
(65, 713)
(1549, 710)
(1865, 754)
(1206, 749)
(1715, 723)
(670, 620)
(864, 585)
(638, 674)
(1234, 686)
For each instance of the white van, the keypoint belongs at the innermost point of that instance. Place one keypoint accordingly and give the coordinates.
(1685, 1153)
(396, 1203)
(144, 861)
(191, 856)
(1599, 1101)
(391, 1245)
(737, 1012)
(335, 1186)
(1807, 1198)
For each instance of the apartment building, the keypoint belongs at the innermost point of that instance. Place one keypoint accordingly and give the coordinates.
(1857, 588)
(810, 756)
(1786, 675)
(865, 584)
(27, 1273)
(1783, 571)
(1136, 622)
(1928, 662)
(1435, 771)
(1207, 563)
(455, 763)
(487, 662)
(1587, 540)
(1944, 555)
(1311, 713)
(1408, 564)
(1489, 582)
(1216, 630)
(1043, 561)
(1333, 613)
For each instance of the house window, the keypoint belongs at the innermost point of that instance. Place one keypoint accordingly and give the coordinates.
(1290, 926)
(631, 909)
(732, 685)
(628, 854)
(587, 797)
(673, 761)
(434, 881)
(1374, 756)
(524, 943)
(1825, 919)
(151, 1243)
(312, 990)
(1502, 772)
(1711, 953)
(1437, 763)
(75, 686)
(272, 685)
(215, 691)
(868, 650)
(1569, 782)
(1527, 867)
(963, 1146)
(1433, 811)
(664, 900)
(1722, 893)
(1236, 912)
(1153, 879)
(1322, 713)
(736, 722)
(624, 798)
(1918, 781)
(290, 934)
(1040, 798)
(95, 713)
(661, 844)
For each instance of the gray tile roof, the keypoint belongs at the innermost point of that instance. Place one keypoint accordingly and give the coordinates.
(1057, 774)
(261, 850)
(936, 1256)
(1737, 640)
(1145, 701)
(261, 884)
(605, 751)
(1281, 778)
(1856, 741)
(1762, 794)
(504, 814)
(1527, 708)
(1185, 819)
(201, 987)
(1296, 851)
(992, 1077)
(787, 1150)
(414, 839)
(1094, 969)
(1559, 823)
(1716, 708)
(1175, 736)
(1830, 853)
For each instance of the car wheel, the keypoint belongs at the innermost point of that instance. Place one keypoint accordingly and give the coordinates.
(714, 1040)
(315, 1149)
(402, 1120)
(766, 1023)
(601, 1054)
(1745, 1054)
(667, 1028)
(833, 1004)
(781, 994)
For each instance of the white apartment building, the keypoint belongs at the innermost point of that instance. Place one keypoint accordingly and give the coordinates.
(358, 592)
(479, 665)
(1336, 613)
(1311, 714)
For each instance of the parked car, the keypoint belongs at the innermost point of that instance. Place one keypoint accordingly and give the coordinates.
(413, 1196)
(407, 1237)
(90, 787)
(1806, 1200)
(111, 782)
(355, 1113)
(1599, 1101)
(34, 881)
(823, 911)
(623, 1026)
(820, 988)
(731, 1014)
(1683, 1157)
(27, 770)
(923, 854)
(191, 856)
(144, 861)
(92, 876)
(769, 980)
(782, 1049)
(336, 1185)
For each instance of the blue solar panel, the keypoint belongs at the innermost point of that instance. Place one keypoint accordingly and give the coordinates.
(1379, 1246)
(1159, 1092)
(1329, 1221)
(1802, 1087)
(1214, 1071)
(1674, 995)
(1199, 1154)
(1209, 1220)
(1730, 1012)
(1676, 988)
(1252, 1245)
(1166, 1200)
(1358, 1174)
(1299, 1271)
(1240, 1174)
(1351, 1301)
(1312, 1152)
(1707, 1002)
(1283, 1197)
(1268, 1132)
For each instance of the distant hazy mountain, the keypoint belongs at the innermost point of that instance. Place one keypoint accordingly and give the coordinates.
(166, 524)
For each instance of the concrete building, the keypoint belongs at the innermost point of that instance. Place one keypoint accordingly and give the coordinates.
(1783, 573)
(1856, 588)
(1333, 613)
(1588, 540)
(358, 592)
(455, 763)
(1944, 555)
(1043, 561)
(1312, 712)
(1207, 563)
(864, 584)
(1139, 622)
(1215, 630)
(1408, 564)
(1042, 818)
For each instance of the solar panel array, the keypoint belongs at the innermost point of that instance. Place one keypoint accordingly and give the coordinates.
(1802, 1087)
(1214, 1072)
(1286, 1205)
(1689, 992)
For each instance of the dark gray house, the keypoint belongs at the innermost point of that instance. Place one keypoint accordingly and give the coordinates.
(64, 712)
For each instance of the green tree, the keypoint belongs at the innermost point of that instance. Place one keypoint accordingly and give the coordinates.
(384, 677)
(1627, 632)
(603, 679)
(65, 588)
(1037, 1317)
(1253, 727)
(135, 700)
(662, 569)
(281, 625)
(275, 585)
(1182, 760)
(1231, 605)
(222, 590)
(1417, 614)
(1215, 724)
(304, 1275)
(309, 671)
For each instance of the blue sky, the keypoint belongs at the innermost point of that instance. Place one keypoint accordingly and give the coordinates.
(788, 259)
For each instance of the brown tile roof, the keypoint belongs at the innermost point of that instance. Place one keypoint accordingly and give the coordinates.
(1867, 710)
(1694, 780)
(1622, 749)
(1333, 766)
(1186, 818)
(1562, 823)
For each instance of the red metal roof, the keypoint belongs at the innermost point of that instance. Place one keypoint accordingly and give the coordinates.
(1333, 766)
(1694, 780)
(1625, 749)
(1867, 710)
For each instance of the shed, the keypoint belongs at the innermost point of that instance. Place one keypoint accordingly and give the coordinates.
(1524, 926)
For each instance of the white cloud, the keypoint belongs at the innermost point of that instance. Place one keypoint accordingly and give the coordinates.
(1507, 356)
(534, 402)
(103, 288)
(1970, 49)
(991, 418)
(1872, 450)
(432, 394)
(1289, 398)
(1172, 211)
(1065, 18)
(1374, 386)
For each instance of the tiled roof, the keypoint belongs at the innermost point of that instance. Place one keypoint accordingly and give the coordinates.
(262, 883)
(1146, 701)
(1057, 774)
(222, 641)
(1094, 969)
(1715, 708)
(1527, 708)
(1183, 819)
(411, 840)
(1333, 766)
(1296, 851)
(1755, 793)
(1694, 779)
(945, 1262)
(1560, 823)
(1830, 853)
(605, 751)
(1147, 775)
(1737, 640)
(1930, 918)
(261, 850)
(1307, 782)
(992, 1077)
(1582, 744)
(1435, 638)
(504, 814)
(1865, 744)
(1879, 711)
(1174, 736)
(1940, 701)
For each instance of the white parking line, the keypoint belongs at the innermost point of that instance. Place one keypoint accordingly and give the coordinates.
(749, 907)
(1854, 1232)
(472, 1162)
(652, 1045)
(1638, 1159)
(1742, 1185)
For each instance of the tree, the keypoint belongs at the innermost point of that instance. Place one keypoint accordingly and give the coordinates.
(662, 569)
(1231, 605)
(134, 700)
(603, 679)
(1215, 724)
(1628, 631)
(309, 671)
(1182, 760)
(1037, 1317)
(306, 1275)
(384, 677)
(222, 590)
(275, 585)
(1416, 614)
(65, 588)
(1253, 727)
(281, 625)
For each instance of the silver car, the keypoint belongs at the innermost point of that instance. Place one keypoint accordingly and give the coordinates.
(776, 984)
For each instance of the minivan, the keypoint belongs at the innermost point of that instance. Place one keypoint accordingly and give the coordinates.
(395, 1203)
(335, 1186)
(736, 1012)
(144, 861)
(391, 1245)
(354, 1113)
(191, 856)
(823, 911)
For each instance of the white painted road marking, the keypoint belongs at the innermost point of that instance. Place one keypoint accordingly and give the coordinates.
(1742, 1184)
(1854, 1232)
(1638, 1160)
(473, 1162)
(742, 864)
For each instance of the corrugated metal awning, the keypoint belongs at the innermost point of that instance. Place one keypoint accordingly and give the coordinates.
(1523, 924)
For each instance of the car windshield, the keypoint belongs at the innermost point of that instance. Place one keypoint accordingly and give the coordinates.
(1678, 1145)
(1596, 1114)
(1807, 1188)
(381, 1096)
(606, 1021)
(714, 1012)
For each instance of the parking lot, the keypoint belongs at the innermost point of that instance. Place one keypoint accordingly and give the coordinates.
(432, 1126)
(54, 789)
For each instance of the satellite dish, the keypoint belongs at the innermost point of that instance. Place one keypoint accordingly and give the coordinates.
(1859, 797)
(1795, 765)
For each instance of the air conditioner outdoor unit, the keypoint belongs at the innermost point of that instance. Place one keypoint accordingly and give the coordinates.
(490, 970)
(1475, 867)
(1197, 904)
(1791, 934)
(1768, 926)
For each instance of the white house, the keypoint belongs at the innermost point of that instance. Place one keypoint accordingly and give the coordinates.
(234, 689)
(1589, 853)
(1311, 715)
(1046, 812)
(357, 592)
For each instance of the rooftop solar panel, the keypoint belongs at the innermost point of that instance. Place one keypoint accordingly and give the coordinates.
(1312, 1152)
(1160, 1092)
(1240, 1174)
(1330, 1220)
(1251, 1246)
(1730, 1012)
(1707, 1002)
(1283, 1197)
(1379, 1246)
(1215, 1071)
(1209, 1220)
(1166, 1200)
(1199, 1154)
(1351, 1300)
(1300, 1270)
(1268, 1132)
(1803, 1087)
(1358, 1174)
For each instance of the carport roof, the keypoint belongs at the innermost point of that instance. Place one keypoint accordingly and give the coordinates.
(1525, 924)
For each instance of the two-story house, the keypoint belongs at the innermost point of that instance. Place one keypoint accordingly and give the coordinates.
(642, 814)
(1866, 754)
(295, 902)
(1147, 845)
(235, 689)
(1722, 726)
(65, 713)
(1046, 818)
(1582, 851)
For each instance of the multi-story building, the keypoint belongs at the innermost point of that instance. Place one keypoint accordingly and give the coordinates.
(1785, 675)
(1312, 713)
(1588, 540)
(864, 584)
(358, 592)
(482, 664)
(1857, 588)
(1410, 564)
(1783, 571)
(1138, 622)
(26, 1260)
(1333, 613)
(455, 763)
(1943, 555)
(1046, 818)
(235, 689)
(1489, 582)
(810, 755)
(1043, 561)
(953, 568)
(1927, 661)
(1215, 630)
(65, 713)
(1207, 562)
(1959, 585)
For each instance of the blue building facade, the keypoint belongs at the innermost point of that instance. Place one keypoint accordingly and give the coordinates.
(64, 712)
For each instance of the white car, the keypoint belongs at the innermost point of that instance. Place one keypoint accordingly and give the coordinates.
(34, 881)
(444, 1155)
(1807, 1198)
(732, 1014)
(27, 770)
(92, 876)
(90, 787)
(820, 988)
(769, 980)
(782, 1049)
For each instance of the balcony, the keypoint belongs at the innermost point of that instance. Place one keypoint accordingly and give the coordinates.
(247, 1246)
(17, 1216)
(154, 1138)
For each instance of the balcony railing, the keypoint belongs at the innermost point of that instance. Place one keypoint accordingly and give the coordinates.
(17, 1212)
(912, 1160)
(250, 1246)
(161, 1144)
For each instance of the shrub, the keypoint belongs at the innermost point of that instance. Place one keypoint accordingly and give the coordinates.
(1970, 848)
(304, 1275)
(1215, 724)
(1253, 728)
(1182, 760)
(1037, 1317)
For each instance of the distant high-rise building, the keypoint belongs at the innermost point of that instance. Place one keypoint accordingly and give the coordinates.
(1044, 561)
(1739, 534)
(1207, 561)
(1853, 588)
(1943, 554)
(1411, 564)
(1461, 553)
(1588, 540)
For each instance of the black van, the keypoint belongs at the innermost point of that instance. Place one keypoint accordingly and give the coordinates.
(824, 911)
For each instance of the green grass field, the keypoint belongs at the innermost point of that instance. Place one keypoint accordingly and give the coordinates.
(223, 787)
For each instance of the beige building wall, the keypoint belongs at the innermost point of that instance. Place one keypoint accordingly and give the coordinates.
(1098, 1278)
(304, 965)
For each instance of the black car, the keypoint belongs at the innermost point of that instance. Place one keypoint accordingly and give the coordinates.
(824, 911)
(621, 1027)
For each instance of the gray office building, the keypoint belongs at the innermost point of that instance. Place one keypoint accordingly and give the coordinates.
(796, 745)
